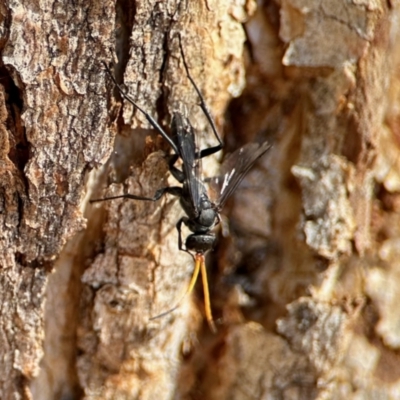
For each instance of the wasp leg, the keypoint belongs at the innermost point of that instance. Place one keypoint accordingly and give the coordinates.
(149, 118)
(211, 150)
(174, 190)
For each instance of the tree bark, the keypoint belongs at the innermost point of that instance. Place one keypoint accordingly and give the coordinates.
(304, 287)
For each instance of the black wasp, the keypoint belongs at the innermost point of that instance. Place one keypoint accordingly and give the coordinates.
(202, 214)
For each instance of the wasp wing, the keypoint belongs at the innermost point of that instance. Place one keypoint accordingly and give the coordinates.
(235, 168)
(186, 142)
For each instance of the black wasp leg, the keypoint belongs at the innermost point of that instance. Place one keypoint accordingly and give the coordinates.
(211, 150)
(149, 118)
(174, 190)
(183, 220)
(176, 173)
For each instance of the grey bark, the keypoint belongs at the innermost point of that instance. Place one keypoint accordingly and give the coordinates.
(305, 286)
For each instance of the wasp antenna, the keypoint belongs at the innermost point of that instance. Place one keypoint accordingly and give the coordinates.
(207, 303)
(188, 290)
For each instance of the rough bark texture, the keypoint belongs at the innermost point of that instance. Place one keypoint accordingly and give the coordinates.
(304, 287)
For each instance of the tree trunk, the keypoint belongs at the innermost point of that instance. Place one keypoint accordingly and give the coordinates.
(304, 286)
